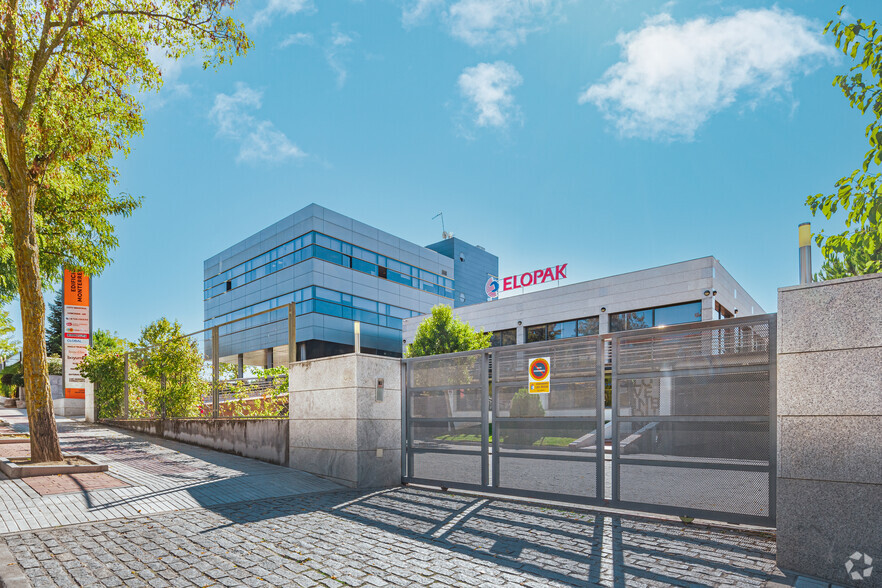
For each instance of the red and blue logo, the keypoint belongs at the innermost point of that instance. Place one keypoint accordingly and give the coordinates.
(492, 287)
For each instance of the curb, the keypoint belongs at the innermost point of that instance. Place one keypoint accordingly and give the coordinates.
(11, 574)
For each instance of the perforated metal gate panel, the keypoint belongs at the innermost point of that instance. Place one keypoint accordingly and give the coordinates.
(693, 420)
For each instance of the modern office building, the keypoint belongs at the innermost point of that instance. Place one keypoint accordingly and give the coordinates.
(338, 271)
(689, 291)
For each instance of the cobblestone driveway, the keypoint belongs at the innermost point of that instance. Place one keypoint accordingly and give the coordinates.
(405, 537)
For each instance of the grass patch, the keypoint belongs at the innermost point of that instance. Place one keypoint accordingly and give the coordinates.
(554, 441)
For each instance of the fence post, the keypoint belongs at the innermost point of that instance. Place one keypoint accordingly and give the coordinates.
(292, 333)
(162, 397)
(125, 403)
(215, 373)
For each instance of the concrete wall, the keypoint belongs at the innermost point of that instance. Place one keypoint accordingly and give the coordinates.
(830, 428)
(263, 439)
(338, 428)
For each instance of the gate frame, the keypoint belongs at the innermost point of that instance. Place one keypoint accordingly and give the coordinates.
(490, 459)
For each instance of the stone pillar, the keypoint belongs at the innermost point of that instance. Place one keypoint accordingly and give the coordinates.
(830, 430)
(340, 429)
(240, 366)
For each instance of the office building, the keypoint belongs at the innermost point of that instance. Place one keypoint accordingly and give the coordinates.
(338, 271)
(684, 292)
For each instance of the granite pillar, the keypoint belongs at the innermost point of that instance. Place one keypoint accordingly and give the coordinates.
(341, 428)
(829, 496)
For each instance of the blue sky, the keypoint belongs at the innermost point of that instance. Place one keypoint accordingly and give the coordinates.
(612, 135)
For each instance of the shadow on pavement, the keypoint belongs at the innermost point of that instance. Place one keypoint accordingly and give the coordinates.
(555, 545)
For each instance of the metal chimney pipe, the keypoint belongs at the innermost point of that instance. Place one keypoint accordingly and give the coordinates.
(357, 327)
(805, 253)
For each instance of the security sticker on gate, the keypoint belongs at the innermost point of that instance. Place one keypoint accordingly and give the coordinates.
(540, 375)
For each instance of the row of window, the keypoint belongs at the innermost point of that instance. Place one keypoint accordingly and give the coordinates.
(335, 251)
(318, 252)
(655, 317)
(622, 321)
(563, 330)
(319, 300)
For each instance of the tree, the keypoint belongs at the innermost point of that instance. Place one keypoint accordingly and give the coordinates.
(104, 366)
(858, 250)
(441, 332)
(69, 71)
(54, 326)
(164, 371)
(171, 364)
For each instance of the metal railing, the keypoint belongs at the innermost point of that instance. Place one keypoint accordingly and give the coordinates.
(183, 377)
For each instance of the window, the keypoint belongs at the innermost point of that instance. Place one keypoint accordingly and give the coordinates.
(676, 315)
(563, 330)
(503, 338)
(720, 311)
(653, 317)
(537, 333)
(317, 245)
(587, 326)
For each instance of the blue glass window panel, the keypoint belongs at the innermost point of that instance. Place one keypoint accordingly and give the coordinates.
(328, 308)
(399, 278)
(331, 256)
(329, 295)
(363, 266)
(395, 323)
(364, 255)
(675, 315)
(364, 303)
(365, 316)
(325, 241)
(399, 312)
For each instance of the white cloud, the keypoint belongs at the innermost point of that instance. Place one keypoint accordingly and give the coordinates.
(275, 8)
(417, 11)
(490, 23)
(297, 39)
(336, 53)
(488, 87)
(673, 77)
(260, 139)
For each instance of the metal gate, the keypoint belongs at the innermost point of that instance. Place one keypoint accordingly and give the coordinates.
(676, 420)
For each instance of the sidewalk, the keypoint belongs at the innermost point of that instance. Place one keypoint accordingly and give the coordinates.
(146, 476)
(189, 516)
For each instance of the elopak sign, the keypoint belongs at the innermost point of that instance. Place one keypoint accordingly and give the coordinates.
(494, 285)
(77, 331)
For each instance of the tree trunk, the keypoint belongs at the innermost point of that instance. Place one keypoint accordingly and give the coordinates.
(21, 195)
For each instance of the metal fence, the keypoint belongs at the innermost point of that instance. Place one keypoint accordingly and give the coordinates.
(183, 377)
(688, 428)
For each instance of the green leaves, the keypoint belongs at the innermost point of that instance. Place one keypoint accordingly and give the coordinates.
(441, 332)
(858, 250)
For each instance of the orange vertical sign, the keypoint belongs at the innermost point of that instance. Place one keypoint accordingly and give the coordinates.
(77, 331)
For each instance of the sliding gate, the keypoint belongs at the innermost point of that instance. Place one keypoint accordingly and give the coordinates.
(676, 420)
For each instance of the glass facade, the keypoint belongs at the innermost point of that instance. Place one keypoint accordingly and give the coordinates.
(319, 246)
(563, 330)
(321, 301)
(655, 317)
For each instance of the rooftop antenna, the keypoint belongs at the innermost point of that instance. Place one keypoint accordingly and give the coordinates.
(444, 233)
